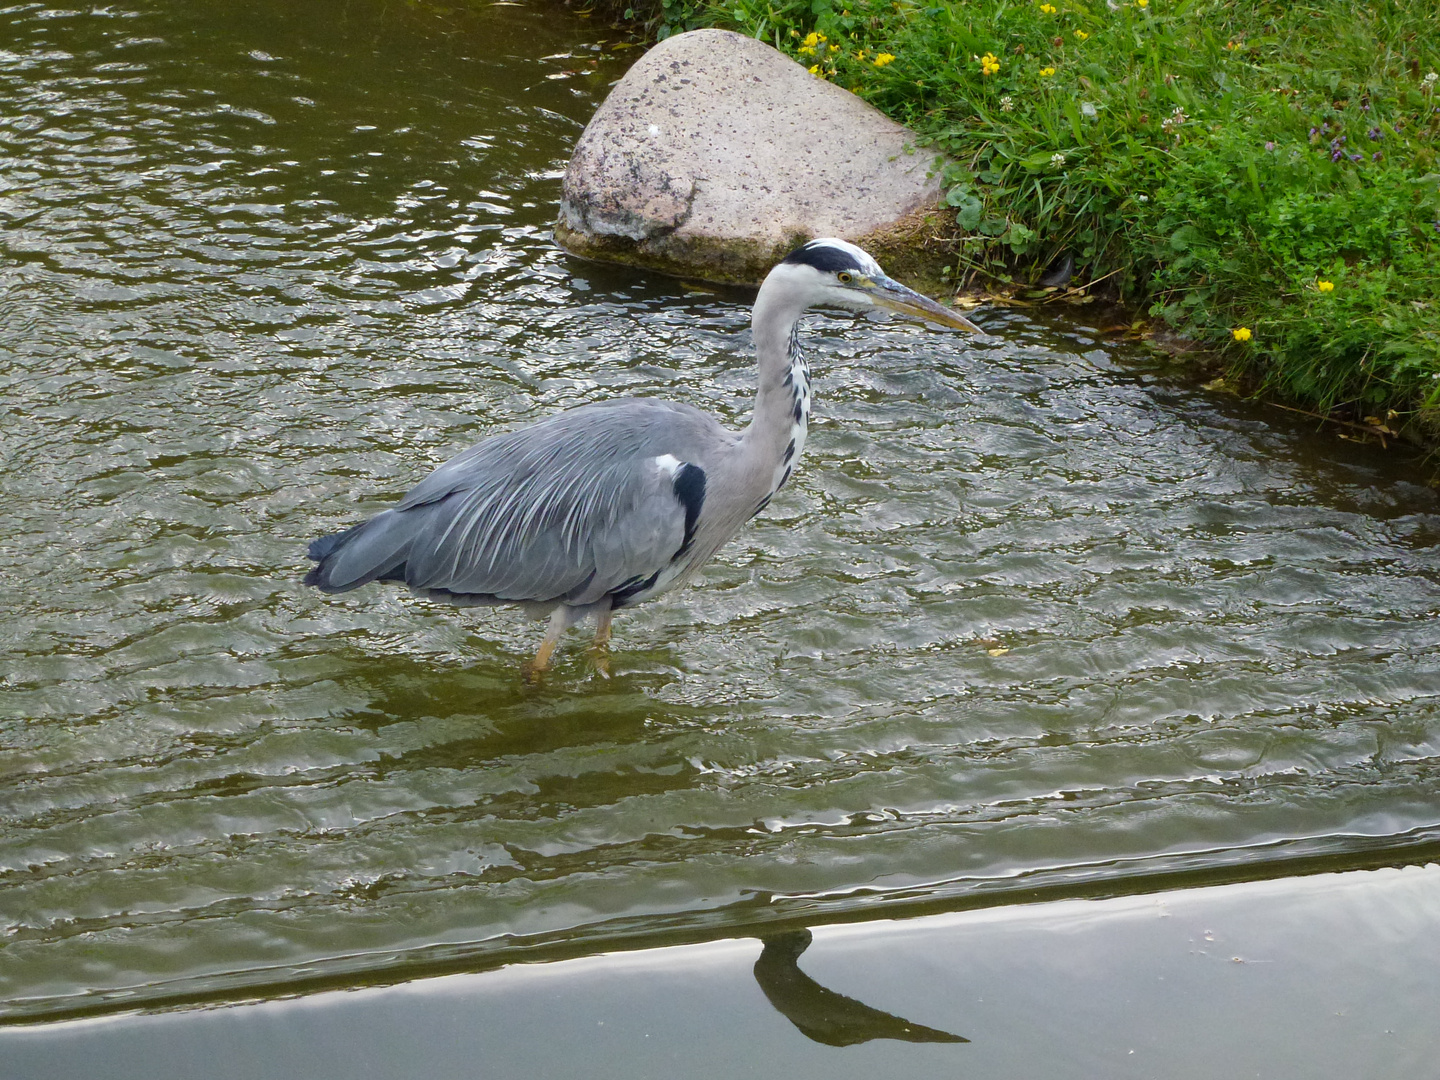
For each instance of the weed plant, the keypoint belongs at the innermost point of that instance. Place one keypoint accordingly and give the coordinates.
(1262, 176)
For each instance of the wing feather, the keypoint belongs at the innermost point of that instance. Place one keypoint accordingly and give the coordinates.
(570, 508)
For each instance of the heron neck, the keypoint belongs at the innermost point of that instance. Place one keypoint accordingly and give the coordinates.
(782, 397)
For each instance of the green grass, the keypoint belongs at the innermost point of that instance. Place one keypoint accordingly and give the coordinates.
(1221, 159)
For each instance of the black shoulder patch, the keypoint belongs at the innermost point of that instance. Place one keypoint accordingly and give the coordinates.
(823, 256)
(689, 487)
(620, 597)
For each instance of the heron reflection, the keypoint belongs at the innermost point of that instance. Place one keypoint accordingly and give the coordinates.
(824, 1015)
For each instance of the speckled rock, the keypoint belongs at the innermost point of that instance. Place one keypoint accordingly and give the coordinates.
(716, 155)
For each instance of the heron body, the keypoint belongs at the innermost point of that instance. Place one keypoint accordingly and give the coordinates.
(597, 508)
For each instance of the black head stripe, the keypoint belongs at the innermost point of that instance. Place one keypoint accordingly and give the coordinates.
(823, 256)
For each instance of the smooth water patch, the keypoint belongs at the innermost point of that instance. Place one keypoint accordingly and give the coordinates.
(1031, 609)
(1327, 977)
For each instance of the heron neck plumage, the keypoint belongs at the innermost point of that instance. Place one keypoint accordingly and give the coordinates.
(783, 378)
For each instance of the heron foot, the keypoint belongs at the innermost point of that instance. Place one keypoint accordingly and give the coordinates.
(536, 667)
(559, 623)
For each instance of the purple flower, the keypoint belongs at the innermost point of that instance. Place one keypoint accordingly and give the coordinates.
(1375, 156)
(1357, 157)
(1269, 146)
(1374, 133)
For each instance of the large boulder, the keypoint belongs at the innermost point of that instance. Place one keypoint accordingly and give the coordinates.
(716, 155)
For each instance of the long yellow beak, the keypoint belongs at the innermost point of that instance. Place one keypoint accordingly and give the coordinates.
(889, 293)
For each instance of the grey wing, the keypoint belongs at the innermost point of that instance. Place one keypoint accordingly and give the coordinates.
(591, 502)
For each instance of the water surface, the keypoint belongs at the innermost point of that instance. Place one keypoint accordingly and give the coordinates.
(1325, 977)
(1032, 612)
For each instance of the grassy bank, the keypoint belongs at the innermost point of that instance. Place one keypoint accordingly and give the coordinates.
(1260, 176)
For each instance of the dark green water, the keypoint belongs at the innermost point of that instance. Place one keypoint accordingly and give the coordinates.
(1031, 613)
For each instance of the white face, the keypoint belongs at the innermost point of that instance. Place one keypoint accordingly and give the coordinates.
(855, 282)
(845, 286)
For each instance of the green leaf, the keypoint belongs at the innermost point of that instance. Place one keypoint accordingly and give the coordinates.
(1254, 178)
(1184, 237)
(958, 195)
(1067, 106)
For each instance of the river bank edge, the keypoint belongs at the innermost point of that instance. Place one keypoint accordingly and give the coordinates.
(1314, 358)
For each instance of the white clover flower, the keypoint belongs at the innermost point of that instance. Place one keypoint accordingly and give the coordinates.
(1057, 159)
(1007, 104)
(1430, 80)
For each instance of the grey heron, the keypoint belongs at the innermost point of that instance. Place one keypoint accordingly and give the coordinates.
(602, 506)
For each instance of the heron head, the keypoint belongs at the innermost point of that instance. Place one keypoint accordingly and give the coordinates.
(837, 273)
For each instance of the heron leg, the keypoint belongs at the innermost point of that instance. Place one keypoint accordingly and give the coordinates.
(559, 622)
(603, 619)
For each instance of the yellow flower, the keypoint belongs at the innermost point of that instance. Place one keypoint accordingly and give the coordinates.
(1241, 333)
(1142, 4)
(1325, 286)
(861, 55)
(1049, 9)
(881, 59)
(814, 69)
(1047, 72)
(1080, 35)
(989, 64)
(806, 50)
(812, 39)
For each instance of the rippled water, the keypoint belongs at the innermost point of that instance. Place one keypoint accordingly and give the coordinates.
(1032, 611)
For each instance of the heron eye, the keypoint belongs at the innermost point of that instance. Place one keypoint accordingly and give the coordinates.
(844, 277)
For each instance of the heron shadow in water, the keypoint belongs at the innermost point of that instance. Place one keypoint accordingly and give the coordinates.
(598, 508)
(473, 714)
(824, 1015)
